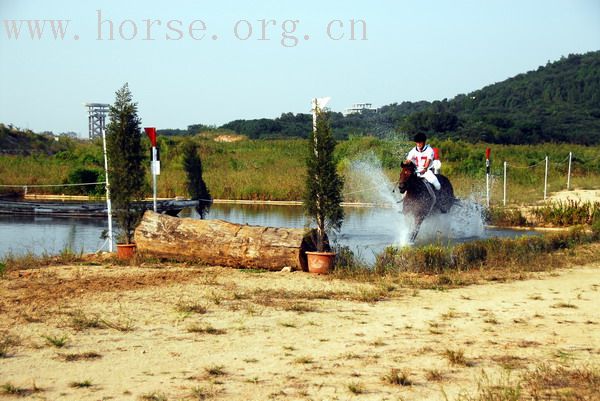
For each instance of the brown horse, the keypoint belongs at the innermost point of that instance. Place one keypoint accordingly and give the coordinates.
(421, 201)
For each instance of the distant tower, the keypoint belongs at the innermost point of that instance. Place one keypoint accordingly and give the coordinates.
(97, 116)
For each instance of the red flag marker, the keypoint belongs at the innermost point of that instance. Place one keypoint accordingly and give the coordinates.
(151, 132)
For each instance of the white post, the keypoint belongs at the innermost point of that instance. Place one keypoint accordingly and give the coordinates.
(108, 205)
(504, 199)
(153, 169)
(487, 183)
(569, 172)
(546, 179)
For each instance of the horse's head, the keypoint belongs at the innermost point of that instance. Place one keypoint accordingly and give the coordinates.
(408, 169)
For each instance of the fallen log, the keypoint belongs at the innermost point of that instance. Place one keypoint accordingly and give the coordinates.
(218, 242)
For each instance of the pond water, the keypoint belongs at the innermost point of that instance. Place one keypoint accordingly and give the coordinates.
(367, 231)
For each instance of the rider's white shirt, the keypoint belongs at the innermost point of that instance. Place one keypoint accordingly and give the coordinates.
(420, 158)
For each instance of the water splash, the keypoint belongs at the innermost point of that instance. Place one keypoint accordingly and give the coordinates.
(368, 183)
(371, 185)
(463, 221)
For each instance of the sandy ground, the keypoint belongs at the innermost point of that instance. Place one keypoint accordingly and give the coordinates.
(281, 335)
(584, 195)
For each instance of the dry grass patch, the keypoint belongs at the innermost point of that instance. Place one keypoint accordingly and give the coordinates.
(7, 343)
(304, 360)
(300, 307)
(510, 362)
(83, 356)
(190, 307)
(199, 393)
(503, 389)
(207, 329)
(154, 396)
(562, 383)
(215, 370)
(356, 388)
(81, 321)
(434, 375)
(567, 305)
(81, 384)
(457, 358)
(398, 377)
(12, 390)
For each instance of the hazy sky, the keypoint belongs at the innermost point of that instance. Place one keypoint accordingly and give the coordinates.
(244, 59)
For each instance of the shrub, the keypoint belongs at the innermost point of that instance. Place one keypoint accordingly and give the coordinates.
(83, 175)
(505, 217)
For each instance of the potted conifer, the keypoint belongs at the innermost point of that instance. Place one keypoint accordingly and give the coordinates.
(126, 172)
(323, 193)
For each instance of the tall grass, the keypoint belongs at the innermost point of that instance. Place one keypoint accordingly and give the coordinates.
(275, 169)
(568, 213)
(435, 259)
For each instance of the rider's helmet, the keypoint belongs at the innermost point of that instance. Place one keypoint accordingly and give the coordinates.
(420, 137)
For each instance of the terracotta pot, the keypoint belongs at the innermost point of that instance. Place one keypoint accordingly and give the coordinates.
(126, 251)
(320, 262)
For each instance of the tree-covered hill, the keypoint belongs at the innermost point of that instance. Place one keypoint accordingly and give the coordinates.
(558, 102)
(16, 141)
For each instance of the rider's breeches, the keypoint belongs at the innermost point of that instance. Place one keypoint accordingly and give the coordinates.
(432, 179)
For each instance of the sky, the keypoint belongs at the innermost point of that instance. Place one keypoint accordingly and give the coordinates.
(210, 62)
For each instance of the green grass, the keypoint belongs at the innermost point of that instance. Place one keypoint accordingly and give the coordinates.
(475, 255)
(13, 262)
(56, 341)
(568, 213)
(275, 169)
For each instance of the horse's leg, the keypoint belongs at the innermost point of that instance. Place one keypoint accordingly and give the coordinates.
(415, 232)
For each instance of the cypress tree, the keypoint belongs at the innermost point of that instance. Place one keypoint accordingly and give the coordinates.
(125, 156)
(323, 193)
(196, 187)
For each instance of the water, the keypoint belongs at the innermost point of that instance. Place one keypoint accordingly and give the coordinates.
(366, 230)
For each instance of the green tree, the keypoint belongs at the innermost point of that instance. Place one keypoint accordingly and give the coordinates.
(196, 187)
(323, 194)
(125, 156)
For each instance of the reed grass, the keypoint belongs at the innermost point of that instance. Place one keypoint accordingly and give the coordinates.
(275, 169)
(527, 253)
(568, 213)
(481, 254)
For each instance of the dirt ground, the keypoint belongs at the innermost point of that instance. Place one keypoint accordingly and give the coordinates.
(584, 195)
(194, 333)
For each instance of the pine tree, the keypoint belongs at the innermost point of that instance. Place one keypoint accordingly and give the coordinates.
(125, 156)
(323, 194)
(192, 164)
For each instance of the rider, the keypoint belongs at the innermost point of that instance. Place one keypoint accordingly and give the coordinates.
(422, 156)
